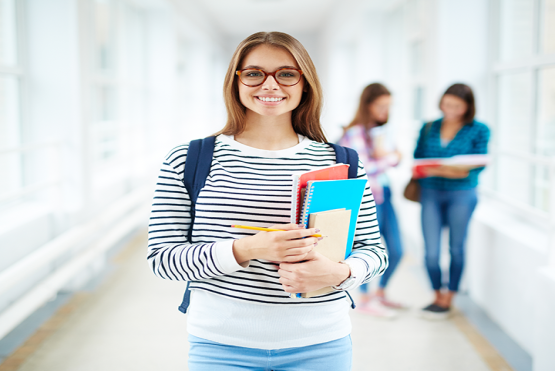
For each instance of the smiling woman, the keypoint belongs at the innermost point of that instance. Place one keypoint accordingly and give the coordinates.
(241, 311)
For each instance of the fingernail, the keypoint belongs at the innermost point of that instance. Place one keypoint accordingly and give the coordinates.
(300, 225)
(320, 238)
(316, 243)
(317, 230)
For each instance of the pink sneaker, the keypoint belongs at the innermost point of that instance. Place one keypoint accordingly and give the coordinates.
(392, 304)
(377, 309)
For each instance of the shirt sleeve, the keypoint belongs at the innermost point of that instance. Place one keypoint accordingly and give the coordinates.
(368, 258)
(480, 144)
(420, 143)
(170, 254)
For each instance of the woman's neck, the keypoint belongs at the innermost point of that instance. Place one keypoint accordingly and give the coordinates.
(268, 133)
(458, 122)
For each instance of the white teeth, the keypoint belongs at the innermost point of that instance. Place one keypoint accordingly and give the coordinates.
(268, 99)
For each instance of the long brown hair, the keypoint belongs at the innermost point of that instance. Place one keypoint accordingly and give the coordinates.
(306, 117)
(368, 96)
(465, 93)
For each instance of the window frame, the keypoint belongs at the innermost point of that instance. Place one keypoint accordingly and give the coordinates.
(532, 66)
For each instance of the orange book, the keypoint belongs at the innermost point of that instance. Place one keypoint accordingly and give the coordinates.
(466, 162)
(300, 180)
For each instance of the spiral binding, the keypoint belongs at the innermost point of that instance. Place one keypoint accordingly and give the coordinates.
(306, 204)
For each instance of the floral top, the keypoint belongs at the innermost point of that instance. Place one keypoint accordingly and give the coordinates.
(358, 138)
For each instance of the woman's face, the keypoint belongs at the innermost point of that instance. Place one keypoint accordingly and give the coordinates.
(379, 109)
(453, 107)
(269, 59)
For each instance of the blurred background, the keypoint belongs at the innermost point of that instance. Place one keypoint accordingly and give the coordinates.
(94, 93)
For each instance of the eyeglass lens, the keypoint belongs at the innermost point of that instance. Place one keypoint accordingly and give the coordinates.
(285, 77)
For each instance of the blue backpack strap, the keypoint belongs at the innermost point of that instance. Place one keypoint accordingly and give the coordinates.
(197, 168)
(345, 155)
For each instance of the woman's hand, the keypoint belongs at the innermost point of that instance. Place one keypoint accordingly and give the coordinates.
(313, 274)
(286, 246)
(445, 172)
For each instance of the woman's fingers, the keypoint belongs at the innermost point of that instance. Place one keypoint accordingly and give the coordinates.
(286, 227)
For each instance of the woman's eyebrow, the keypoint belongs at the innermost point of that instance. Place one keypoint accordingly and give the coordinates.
(260, 68)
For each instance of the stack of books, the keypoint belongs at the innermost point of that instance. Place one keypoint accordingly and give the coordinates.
(463, 162)
(331, 203)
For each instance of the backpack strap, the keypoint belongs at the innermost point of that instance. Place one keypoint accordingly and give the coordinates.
(197, 168)
(346, 155)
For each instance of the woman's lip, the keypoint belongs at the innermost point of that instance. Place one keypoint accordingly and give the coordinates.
(269, 102)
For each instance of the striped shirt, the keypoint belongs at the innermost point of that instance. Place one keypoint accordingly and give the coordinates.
(245, 186)
(471, 139)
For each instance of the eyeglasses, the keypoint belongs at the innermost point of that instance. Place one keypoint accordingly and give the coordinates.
(254, 77)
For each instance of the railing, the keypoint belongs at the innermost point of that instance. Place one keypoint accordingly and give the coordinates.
(37, 187)
(118, 221)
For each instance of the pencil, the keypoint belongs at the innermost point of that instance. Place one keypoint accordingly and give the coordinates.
(266, 229)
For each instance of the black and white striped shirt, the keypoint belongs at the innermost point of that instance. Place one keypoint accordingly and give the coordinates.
(245, 186)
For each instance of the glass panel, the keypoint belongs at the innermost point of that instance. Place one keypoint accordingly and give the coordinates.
(548, 32)
(9, 111)
(10, 162)
(104, 36)
(511, 179)
(545, 143)
(104, 130)
(8, 33)
(541, 187)
(516, 29)
(418, 103)
(514, 125)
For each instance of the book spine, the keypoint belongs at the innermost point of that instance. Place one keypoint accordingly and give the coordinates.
(306, 204)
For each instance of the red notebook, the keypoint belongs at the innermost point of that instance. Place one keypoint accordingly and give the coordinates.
(466, 162)
(333, 172)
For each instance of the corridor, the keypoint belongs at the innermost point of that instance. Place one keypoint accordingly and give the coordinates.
(94, 95)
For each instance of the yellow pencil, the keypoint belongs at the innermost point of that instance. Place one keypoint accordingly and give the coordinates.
(266, 229)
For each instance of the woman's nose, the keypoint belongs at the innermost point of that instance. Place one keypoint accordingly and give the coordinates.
(270, 83)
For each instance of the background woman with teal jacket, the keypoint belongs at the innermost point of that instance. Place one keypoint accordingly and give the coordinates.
(448, 195)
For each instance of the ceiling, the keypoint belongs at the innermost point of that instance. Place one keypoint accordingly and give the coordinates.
(237, 18)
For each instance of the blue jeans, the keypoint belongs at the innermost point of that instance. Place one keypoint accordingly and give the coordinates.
(206, 355)
(452, 209)
(389, 228)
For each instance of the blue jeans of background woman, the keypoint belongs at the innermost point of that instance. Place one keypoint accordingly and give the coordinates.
(451, 208)
(389, 229)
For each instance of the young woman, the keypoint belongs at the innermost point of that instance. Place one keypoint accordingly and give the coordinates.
(448, 194)
(366, 135)
(242, 315)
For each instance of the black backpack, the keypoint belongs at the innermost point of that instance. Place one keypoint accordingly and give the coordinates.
(197, 168)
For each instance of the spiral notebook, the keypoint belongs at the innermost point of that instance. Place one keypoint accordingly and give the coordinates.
(325, 195)
(300, 180)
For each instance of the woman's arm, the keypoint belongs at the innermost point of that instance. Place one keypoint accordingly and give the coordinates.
(172, 256)
(421, 142)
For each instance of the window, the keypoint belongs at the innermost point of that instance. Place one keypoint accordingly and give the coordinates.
(10, 120)
(524, 140)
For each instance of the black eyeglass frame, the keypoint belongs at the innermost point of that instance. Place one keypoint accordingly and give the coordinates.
(266, 74)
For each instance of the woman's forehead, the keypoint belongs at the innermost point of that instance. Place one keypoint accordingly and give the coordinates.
(269, 57)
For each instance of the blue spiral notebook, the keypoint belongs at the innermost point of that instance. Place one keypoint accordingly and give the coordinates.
(324, 195)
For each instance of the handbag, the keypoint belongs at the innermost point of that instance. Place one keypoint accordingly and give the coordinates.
(412, 190)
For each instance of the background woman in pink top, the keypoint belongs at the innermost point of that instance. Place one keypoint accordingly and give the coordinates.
(366, 134)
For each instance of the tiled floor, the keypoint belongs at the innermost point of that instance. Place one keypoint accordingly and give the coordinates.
(130, 322)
